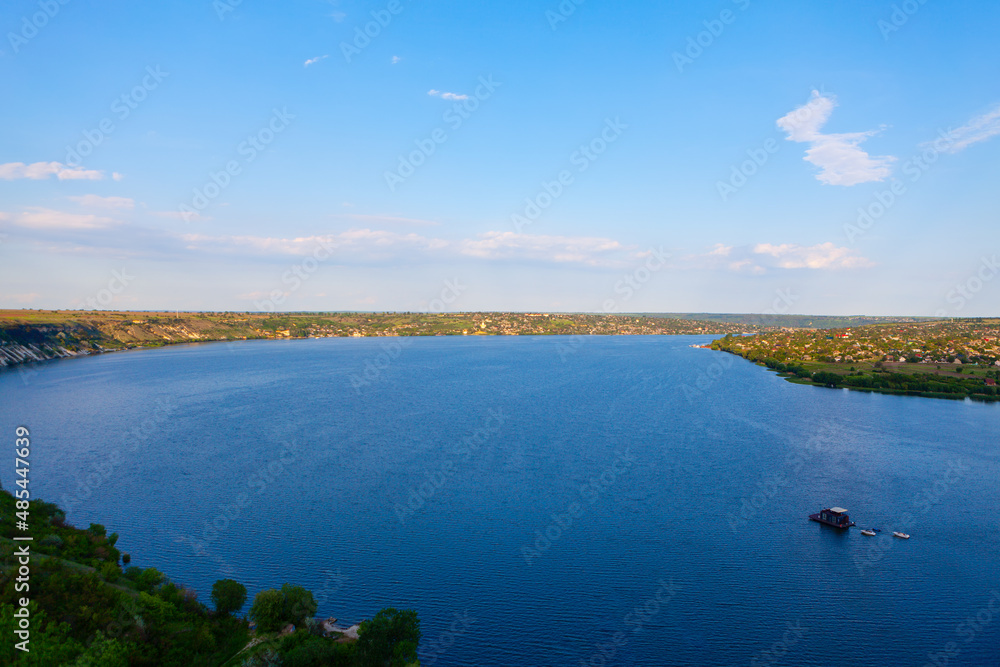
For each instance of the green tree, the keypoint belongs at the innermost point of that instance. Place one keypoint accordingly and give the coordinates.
(229, 596)
(268, 610)
(390, 639)
(299, 604)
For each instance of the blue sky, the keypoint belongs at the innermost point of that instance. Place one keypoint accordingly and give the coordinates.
(714, 156)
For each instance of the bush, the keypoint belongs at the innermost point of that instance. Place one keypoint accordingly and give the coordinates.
(268, 610)
(228, 595)
(390, 638)
(110, 572)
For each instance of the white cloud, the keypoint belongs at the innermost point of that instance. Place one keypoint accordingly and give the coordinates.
(721, 250)
(359, 245)
(355, 241)
(838, 156)
(96, 201)
(46, 218)
(38, 171)
(820, 256)
(978, 129)
(390, 219)
(396, 60)
(338, 16)
(313, 61)
(763, 257)
(447, 96)
(591, 251)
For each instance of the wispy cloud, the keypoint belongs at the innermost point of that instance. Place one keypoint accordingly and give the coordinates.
(591, 251)
(389, 219)
(838, 156)
(96, 201)
(45, 218)
(357, 244)
(313, 61)
(447, 96)
(19, 298)
(396, 60)
(39, 171)
(193, 216)
(820, 256)
(362, 245)
(764, 257)
(976, 130)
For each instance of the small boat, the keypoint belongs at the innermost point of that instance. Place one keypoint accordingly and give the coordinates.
(869, 532)
(902, 535)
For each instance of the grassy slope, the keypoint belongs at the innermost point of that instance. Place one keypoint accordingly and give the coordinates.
(902, 377)
(95, 331)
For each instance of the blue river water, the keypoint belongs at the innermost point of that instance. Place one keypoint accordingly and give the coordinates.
(539, 500)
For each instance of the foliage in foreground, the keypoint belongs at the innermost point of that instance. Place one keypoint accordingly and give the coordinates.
(87, 612)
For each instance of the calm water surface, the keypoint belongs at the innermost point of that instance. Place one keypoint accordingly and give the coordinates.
(629, 500)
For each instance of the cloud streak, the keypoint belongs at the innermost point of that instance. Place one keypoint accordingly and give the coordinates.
(447, 96)
(763, 258)
(96, 201)
(48, 219)
(313, 61)
(975, 131)
(40, 171)
(839, 157)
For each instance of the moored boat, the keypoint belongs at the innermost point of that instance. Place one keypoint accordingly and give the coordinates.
(833, 516)
(869, 532)
(902, 535)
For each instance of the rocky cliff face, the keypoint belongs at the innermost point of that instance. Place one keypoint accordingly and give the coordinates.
(12, 354)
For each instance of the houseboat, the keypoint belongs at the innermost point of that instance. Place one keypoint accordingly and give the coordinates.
(833, 516)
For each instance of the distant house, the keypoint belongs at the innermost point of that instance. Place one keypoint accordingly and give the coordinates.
(990, 382)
